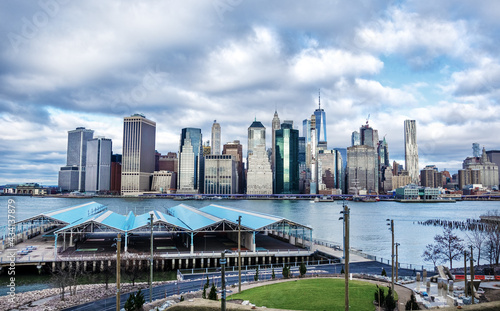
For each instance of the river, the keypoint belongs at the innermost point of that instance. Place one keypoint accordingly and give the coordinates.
(368, 225)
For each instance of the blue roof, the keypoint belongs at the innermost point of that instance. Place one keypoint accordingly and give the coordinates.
(194, 218)
(182, 217)
(74, 213)
(251, 220)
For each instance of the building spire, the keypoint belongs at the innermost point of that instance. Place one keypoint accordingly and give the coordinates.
(319, 98)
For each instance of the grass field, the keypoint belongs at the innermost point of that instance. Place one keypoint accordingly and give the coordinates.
(312, 294)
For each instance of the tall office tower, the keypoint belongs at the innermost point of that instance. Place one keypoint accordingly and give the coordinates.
(256, 136)
(489, 171)
(138, 159)
(302, 164)
(221, 176)
(383, 153)
(216, 132)
(411, 150)
(72, 176)
(98, 170)
(362, 169)
(275, 127)
(367, 136)
(320, 123)
(116, 174)
(259, 174)
(427, 177)
(476, 150)
(342, 158)
(287, 160)
(355, 139)
(494, 157)
(236, 150)
(313, 184)
(329, 169)
(190, 171)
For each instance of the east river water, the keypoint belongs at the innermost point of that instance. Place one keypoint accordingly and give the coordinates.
(368, 225)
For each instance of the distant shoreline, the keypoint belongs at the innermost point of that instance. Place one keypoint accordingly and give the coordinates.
(302, 197)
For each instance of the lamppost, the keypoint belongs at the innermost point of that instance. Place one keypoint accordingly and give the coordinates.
(346, 212)
(223, 279)
(151, 261)
(397, 262)
(239, 254)
(391, 224)
(118, 263)
(472, 274)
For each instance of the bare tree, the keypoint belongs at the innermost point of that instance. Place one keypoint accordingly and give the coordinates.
(493, 236)
(108, 272)
(132, 272)
(60, 279)
(449, 245)
(432, 253)
(477, 238)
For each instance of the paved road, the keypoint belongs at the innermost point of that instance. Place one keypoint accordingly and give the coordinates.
(195, 282)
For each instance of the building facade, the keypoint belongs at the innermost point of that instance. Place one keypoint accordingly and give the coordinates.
(235, 149)
(98, 170)
(138, 158)
(190, 171)
(488, 170)
(411, 150)
(216, 138)
(362, 169)
(72, 176)
(256, 136)
(320, 123)
(164, 182)
(259, 174)
(221, 176)
(287, 161)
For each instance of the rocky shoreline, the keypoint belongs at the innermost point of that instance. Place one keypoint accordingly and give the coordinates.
(49, 299)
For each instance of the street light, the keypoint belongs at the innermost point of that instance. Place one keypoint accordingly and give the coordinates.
(391, 224)
(397, 262)
(223, 279)
(151, 261)
(239, 254)
(346, 212)
(118, 263)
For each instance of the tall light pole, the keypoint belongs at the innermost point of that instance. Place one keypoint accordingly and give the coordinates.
(346, 253)
(223, 281)
(465, 272)
(397, 262)
(472, 274)
(391, 224)
(239, 254)
(118, 264)
(151, 262)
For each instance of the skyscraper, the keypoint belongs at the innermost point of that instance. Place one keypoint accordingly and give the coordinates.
(138, 159)
(275, 127)
(190, 170)
(411, 150)
(362, 169)
(98, 170)
(320, 123)
(476, 150)
(220, 174)
(355, 139)
(287, 160)
(236, 150)
(259, 175)
(72, 176)
(256, 136)
(216, 132)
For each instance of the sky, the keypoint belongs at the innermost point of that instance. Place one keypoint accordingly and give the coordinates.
(67, 64)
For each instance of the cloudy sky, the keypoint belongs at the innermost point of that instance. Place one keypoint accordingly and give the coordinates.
(65, 64)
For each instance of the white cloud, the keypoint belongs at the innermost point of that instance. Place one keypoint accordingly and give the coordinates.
(324, 65)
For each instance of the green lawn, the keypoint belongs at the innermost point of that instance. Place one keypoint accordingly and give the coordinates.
(312, 294)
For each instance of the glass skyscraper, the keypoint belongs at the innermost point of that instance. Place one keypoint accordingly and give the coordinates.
(190, 171)
(320, 124)
(98, 170)
(411, 150)
(287, 161)
(72, 176)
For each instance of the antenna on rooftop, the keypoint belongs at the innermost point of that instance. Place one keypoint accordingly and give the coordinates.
(319, 98)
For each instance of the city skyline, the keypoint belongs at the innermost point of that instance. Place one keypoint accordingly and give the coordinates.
(185, 64)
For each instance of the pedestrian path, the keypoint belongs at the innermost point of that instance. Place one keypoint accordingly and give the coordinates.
(339, 253)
